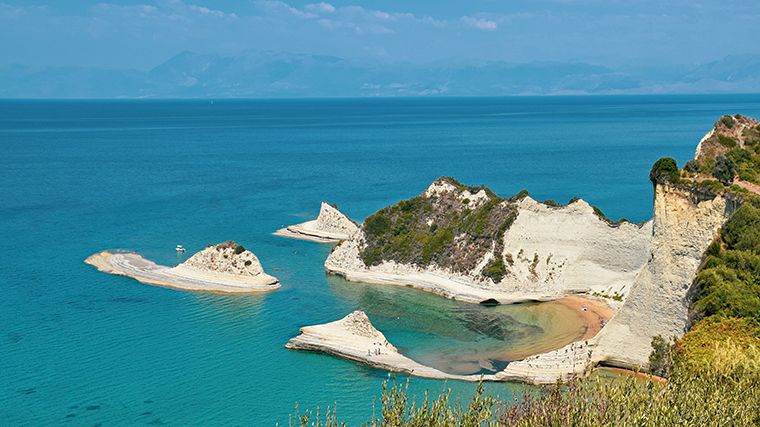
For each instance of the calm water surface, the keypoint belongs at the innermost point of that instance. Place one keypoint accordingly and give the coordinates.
(80, 347)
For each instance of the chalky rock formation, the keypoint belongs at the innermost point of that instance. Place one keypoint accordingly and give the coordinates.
(355, 338)
(330, 226)
(226, 267)
(466, 243)
(684, 226)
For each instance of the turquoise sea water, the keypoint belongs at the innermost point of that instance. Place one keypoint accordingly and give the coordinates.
(81, 347)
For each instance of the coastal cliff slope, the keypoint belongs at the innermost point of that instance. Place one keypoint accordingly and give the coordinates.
(727, 133)
(572, 248)
(469, 244)
(330, 226)
(684, 226)
(226, 267)
(521, 248)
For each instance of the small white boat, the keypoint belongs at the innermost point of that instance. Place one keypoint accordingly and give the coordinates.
(180, 248)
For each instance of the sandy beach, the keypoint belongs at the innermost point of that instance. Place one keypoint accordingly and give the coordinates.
(595, 312)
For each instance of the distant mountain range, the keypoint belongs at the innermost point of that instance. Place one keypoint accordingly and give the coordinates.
(258, 73)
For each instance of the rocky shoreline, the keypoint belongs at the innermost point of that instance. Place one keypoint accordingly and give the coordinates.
(355, 338)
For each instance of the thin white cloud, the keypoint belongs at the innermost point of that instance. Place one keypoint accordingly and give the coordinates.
(321, 7)
(480, 23)
(357, 19)
(275, 7)
(12, 12)
(202, 10)
(175, 10)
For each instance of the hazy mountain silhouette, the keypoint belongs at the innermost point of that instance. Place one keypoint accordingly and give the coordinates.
(256, 73)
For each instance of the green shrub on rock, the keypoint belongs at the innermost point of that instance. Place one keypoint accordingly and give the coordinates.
(691, 166)
(664, 170)
(495, 270)
(724, 170)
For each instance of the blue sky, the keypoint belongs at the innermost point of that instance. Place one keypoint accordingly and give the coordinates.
(142, 34)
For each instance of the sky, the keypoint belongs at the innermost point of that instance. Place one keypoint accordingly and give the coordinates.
(143, 33)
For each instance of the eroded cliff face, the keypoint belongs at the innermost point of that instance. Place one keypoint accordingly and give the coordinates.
(332, 220)
(570, 247)
(514, 245)
(657, 304)
(227, 258)
(685, 223)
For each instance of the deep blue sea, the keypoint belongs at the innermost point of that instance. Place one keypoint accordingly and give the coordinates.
(79, 347)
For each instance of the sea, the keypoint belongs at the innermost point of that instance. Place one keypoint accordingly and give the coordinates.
(80, 347)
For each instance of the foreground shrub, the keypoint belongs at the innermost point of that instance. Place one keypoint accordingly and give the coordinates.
(399, 410)
(703, 397)
(722, 345)
(688, 399)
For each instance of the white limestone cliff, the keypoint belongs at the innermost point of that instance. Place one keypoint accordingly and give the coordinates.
(549, 252)
(572, 249)
(227, 258)
(658, 304)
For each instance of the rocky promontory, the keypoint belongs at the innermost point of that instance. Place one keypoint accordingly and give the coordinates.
(225, 267)
(355, 338)
(330, 226)
(469, 244)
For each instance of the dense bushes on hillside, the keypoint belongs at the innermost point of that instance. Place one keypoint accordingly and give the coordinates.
(729, 281)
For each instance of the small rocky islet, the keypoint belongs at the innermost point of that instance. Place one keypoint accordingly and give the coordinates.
(225, 267)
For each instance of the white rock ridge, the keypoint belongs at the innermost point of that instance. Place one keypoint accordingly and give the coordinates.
(330, 226)
(355, 338)
(657, 303)
(549, 252)
(226, 267)
(572, 249)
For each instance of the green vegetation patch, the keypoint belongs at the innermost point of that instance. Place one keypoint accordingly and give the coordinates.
(689, 398)
(728, 121)
(728, 285)
(442, 230)
(722, 345)
(495, 270)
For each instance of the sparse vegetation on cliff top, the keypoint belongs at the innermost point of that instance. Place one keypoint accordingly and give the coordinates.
(440, 229)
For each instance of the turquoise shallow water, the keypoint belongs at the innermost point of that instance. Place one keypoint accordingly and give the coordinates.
(80, 347)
